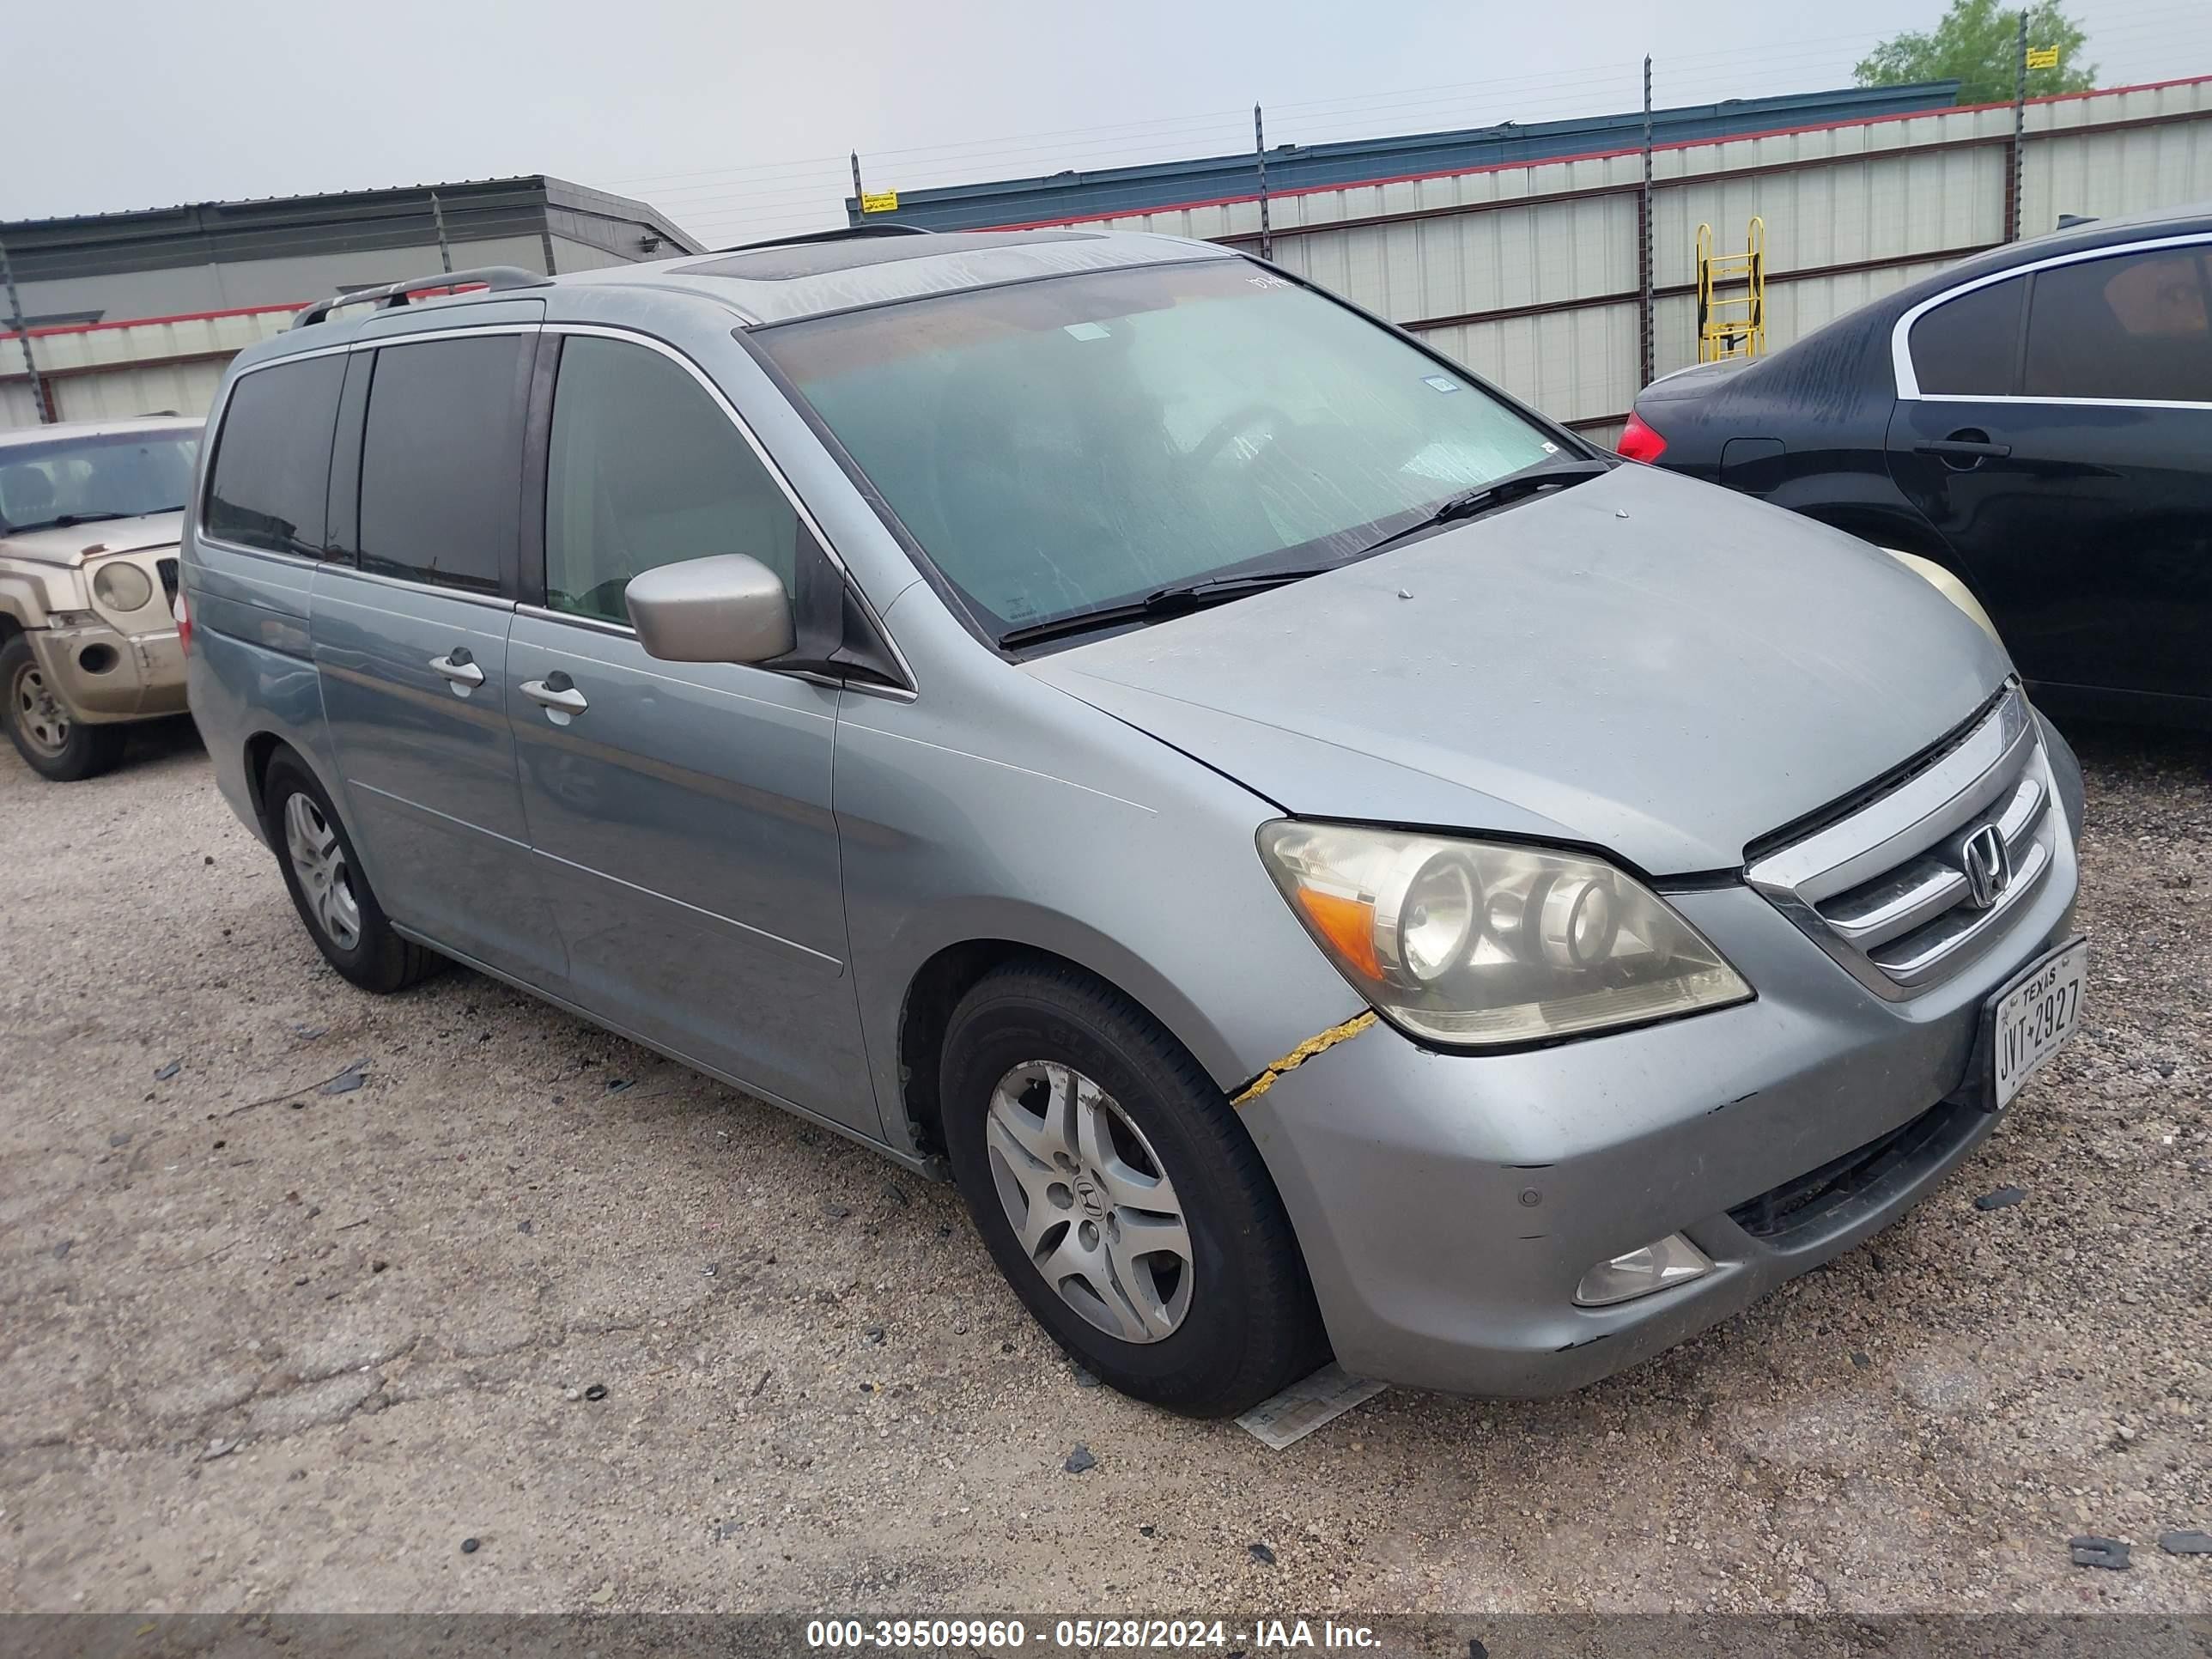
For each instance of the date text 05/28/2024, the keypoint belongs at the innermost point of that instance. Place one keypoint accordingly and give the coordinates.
(1089, 1635)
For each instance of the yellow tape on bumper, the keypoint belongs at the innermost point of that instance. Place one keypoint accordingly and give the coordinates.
(1299, 1055)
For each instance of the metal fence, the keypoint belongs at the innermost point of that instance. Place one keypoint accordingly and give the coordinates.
(113, 370)
(1532, 274)
(1562, 278)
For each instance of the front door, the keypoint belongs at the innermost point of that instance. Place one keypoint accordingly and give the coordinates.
(410, 640)
(2078, 494)
(680, 812)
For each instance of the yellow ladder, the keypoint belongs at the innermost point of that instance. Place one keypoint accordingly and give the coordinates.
(1732, 297)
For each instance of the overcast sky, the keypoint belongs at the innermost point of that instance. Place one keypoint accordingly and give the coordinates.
(735, 118)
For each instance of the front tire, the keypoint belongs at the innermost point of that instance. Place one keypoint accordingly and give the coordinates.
(45, 731)
(1113, 1187)
(328, 888)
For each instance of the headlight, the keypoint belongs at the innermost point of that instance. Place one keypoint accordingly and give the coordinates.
(1474, 944)
(122, 587)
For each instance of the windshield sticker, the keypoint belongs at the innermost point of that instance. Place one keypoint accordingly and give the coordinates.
(1085, 330)
(1441, 382)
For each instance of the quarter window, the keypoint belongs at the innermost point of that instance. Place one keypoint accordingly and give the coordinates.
(1970, 346)
(272, 460)
(2135, 327)
(646, 469)
(441, 460)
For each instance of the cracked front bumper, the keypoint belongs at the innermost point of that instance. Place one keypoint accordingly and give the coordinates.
(104, 675)
(1448, 1205)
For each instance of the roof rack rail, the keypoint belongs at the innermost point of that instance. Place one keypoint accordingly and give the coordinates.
(394, 294)
(842, 234)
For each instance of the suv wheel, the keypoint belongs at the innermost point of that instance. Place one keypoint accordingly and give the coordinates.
(52, 740)
(1120, 1196)
(328, 888)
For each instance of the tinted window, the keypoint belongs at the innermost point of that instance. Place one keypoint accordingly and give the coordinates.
(440, 461)
(646, 469)
(2135, 326)
(1970, 345)
(272, 459)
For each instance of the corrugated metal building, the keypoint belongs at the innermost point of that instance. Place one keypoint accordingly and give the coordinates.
(1528, 269)
(1066, 198)
(135, 312)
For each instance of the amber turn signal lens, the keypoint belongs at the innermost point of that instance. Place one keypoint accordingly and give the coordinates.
(1346, 923)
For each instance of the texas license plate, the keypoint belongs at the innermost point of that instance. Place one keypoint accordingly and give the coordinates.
(2034, 1016)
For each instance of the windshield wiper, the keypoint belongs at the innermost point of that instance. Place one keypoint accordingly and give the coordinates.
(71, 520)
(1175, 599)
(1498, 492)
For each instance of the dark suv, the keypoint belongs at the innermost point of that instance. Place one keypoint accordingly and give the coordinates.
(2038, 419)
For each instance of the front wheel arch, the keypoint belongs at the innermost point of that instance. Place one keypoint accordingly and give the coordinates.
(935, 990)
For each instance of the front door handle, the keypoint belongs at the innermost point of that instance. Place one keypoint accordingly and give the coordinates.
(557, 693)
(459, 666)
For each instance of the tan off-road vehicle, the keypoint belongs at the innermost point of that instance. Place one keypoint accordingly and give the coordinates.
(89, 516)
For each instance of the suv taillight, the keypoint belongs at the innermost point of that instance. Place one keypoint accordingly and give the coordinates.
(183, 613)
(1639, 441)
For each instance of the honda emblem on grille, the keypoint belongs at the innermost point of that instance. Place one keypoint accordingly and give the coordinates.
(1988, 864)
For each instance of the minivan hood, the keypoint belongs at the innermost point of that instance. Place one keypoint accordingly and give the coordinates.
(74, 544)
(1658, 667)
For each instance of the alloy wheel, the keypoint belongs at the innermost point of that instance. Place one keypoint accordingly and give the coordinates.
(319, 861)
(1090, 1201)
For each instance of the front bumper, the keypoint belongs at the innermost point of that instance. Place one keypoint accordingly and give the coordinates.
(1448, 1205)
(105, 675)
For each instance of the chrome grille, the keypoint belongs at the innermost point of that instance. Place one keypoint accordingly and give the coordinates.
(1910, 886)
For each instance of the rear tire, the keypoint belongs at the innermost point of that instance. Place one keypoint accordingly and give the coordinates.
(328, 888)
(1081, 1132)
(53, 741)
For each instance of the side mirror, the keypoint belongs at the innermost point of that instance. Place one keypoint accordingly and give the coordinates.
(730, 608)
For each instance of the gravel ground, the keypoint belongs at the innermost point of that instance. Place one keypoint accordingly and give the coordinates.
(658, 1346)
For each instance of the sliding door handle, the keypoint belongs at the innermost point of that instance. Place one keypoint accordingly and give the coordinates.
(562, 698)
(459, 667)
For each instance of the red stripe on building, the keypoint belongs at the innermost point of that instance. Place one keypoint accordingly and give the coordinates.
(1606, 155)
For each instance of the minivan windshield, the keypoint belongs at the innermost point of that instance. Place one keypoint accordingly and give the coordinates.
(1074, 444)
(92, 479)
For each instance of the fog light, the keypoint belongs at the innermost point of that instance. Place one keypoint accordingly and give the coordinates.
(1673, 1260)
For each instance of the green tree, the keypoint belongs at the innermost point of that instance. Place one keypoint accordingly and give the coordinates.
(1976, 44)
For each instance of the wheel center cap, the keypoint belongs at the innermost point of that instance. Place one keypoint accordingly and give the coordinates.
(1088, 1195)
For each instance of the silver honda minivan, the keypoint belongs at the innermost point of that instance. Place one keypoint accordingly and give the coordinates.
(1325, 859)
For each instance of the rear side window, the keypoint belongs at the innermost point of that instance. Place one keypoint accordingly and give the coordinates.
(272, 458)
(440, 461)
(646, 469)
(1970, 346)
(2135, 326)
